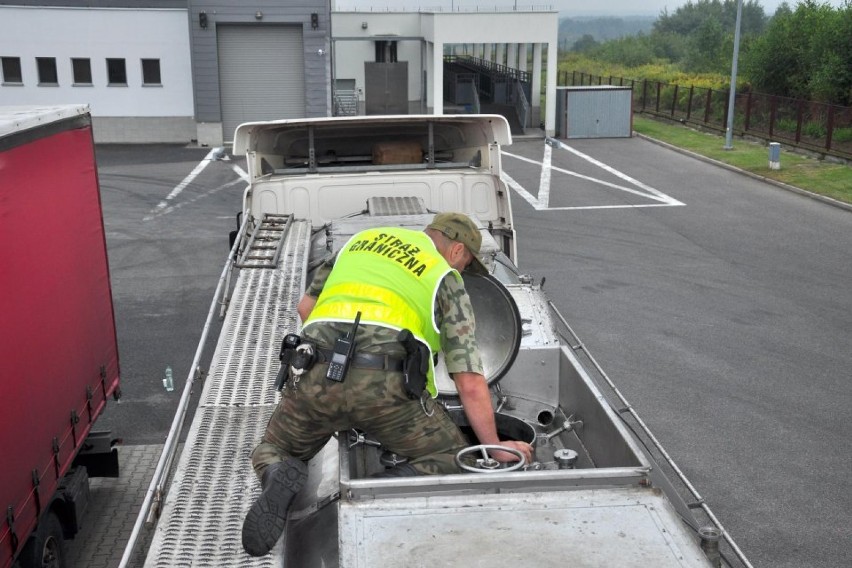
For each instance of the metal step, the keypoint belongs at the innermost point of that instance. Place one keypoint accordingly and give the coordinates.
(213, 484)
(264, 246)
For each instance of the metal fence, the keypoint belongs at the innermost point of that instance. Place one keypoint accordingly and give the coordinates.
(810, 125)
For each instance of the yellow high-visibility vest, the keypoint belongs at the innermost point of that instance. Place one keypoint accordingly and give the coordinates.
(391, 276)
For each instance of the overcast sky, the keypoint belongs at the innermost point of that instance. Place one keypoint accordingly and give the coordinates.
(567, 7)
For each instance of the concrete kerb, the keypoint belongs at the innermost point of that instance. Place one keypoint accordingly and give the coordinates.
(782, 185)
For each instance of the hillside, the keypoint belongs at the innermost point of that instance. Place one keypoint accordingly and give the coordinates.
(601, 28)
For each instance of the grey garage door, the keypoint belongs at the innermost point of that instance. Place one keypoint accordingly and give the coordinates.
(261, 74)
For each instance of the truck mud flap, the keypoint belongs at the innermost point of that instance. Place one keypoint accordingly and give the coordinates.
(99, 455)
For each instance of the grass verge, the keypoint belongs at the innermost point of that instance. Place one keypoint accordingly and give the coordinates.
(824, 178)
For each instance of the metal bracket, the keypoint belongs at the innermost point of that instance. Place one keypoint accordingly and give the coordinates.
(56, 465)
(36, 483)
(89, 396)
(75, 419)
(430, 160)
(10, 520)
(103, 375)
(312, 153)
(359, 438)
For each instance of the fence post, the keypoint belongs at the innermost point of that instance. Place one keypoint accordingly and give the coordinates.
(659, 88)
(748, 112)
(830, 128)
(674, 100)
(707, 106)
(773, 105)
(644, 92)
(799, 111)
(689, 102)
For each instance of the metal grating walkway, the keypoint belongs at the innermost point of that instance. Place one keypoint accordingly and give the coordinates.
(213, 484)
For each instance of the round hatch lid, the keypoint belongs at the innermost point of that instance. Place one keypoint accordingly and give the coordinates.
(498, 331)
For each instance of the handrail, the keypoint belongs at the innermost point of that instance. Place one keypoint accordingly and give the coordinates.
(345, 102)
(629, 408)
(490, 66)
(156, 490)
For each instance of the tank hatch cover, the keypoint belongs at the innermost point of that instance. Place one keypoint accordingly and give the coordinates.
(498, 331)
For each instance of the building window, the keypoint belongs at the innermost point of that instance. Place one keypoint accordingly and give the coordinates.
(151, 72)
(116, 72)
(82, 69)
(46, 71)
(12, 70)
(385, 51)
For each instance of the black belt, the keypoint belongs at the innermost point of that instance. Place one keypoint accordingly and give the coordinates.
(364, 360)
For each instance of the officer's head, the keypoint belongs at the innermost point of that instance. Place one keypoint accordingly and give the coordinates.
(458, 240)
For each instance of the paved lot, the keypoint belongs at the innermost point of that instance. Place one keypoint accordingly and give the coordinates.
(164, 265)
(165, 261)
(726, 321)
(112, 512)
(719, 304)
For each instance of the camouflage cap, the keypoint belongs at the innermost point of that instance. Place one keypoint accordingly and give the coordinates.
(460, 228)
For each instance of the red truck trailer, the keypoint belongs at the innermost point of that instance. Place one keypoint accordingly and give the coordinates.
(58, 349)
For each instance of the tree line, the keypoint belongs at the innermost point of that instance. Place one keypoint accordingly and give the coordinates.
(803, 51)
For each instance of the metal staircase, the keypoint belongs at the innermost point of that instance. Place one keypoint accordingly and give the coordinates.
(345, 102)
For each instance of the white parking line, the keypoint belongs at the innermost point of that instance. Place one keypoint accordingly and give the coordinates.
(544, 181)
(662, 196)
(211, 156)
(175, 207)
(529, 197)
(240, 172)
(542, 202)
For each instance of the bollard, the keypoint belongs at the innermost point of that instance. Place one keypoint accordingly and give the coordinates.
(774, 156)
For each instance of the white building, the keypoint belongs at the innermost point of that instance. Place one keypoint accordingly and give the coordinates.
(191, 70)
(131, 66)
(498, 40)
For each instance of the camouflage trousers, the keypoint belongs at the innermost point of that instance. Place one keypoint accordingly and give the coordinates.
(313, 408)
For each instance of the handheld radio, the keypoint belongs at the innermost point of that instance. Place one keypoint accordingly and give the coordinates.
(344, 349)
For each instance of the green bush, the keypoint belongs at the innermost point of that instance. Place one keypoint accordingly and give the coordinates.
(814, 130)
(841, 135)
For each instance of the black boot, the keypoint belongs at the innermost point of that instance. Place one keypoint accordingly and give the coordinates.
(265, 521)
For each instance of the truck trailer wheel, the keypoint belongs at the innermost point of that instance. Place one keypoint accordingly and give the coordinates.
(46, 547)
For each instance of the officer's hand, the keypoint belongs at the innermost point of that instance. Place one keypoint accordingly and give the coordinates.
(504, 457)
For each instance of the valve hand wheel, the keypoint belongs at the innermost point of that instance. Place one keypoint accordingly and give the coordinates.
(487, 464)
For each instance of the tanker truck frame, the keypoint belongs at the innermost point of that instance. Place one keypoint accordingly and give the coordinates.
(600, 490)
